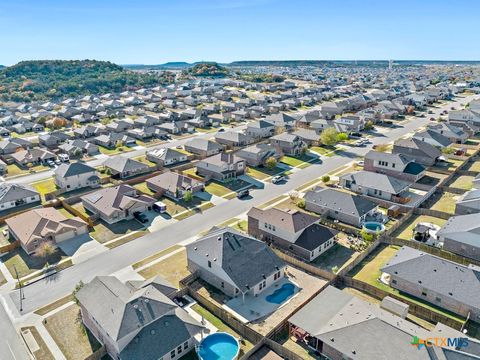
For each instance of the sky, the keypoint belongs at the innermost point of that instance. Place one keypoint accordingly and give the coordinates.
(155, 32)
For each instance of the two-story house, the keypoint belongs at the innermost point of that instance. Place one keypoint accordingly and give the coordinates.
(76, 175)
(396, 165)
(288, 144)
(221, 167)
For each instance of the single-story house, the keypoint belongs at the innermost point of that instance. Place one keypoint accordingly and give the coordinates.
(397, 165)
(166, 156)
(174, 185)
(461, 235)
(124, 167)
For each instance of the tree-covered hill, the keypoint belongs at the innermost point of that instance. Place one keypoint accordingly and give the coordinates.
(206, 70)
(49, 79)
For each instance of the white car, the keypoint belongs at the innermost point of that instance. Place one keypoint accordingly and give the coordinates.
(277, 179)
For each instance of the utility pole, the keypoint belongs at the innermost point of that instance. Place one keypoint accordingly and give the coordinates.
(20, 286)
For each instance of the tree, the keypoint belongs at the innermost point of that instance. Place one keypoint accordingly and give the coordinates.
(328, 136)
(301, 203)
(304, 151)
(325, 179)
(78, 287)
(271, 163)
(45, 249)
(58, 123)
(188, 196)
(293, 195)
(341, 137)
(366, 236)
(369, 125)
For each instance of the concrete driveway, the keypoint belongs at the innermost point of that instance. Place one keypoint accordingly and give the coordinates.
(81, 248)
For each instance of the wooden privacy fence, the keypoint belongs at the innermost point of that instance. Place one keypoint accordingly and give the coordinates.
(415, 309)
(9, 247)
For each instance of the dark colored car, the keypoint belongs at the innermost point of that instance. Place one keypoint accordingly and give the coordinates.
(140, 217)
(243, 194)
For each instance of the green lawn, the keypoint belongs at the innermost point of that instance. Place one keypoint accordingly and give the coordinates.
(191, 172)
(475, 166)
(103, 232)
(114, 151)
(406, 230)
(173, 268)
(143, 188)
(336, 257)
(143, 159)
(262, 173)
(217, 189)
(322, 150)
(45, 187)
(245, 345)
(463, 182)
(445, 202)
(14, 170)
(295, 161)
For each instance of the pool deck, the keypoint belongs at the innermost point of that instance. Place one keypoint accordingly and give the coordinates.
(254, 308)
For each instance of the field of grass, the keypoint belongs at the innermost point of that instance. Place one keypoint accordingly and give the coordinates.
(217, 189)
(173, 268)
(104, 232)
(14, 170)
(143, 188)
(71, 336)
(295, 161)
(406, 230)
(462, 182)
(245, 345)
(26, 264)
(445, 202)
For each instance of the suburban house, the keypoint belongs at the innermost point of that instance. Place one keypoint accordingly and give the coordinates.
(203, 147)
(136, 322)
(13, 195)
(423, 153)
(288, 144)
(78, 148)
(257, 155)
(291, 230)
(114, 204)
(468, 203)
(397, 165)
(454, 133)
(461, 235)
(338, 205)
(441, 282)
(308, 136)
(166, 156)
(123, 167)
(232, 139)
(340, 325)
(376, 185)
(13, 145)
(174, 185)
(260, 129)
(76, 175)
(433, 138)
(33, 156)
(351, 123)
(36, 226)
(236, 264)
(221, 167)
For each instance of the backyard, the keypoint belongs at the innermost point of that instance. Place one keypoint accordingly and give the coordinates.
(335, 258)
(444, 202)
(462, 182)
(71, 336)
(406, 230)
(143, 188)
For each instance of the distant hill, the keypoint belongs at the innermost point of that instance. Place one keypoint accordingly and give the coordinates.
(166, 66)
(48, 79)
(210, 69)
(2, 66)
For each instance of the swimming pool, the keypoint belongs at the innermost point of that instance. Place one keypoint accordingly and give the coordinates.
(281, 294)
(373, 227)
(218, 346)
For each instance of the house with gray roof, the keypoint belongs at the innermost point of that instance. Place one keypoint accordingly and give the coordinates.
(13, 195)
(257, 155)
(76, 175)
(376, 185)
(441, 282)
(340, 326)
(78, 148)
(203, 147)
(136, 320)
(260, 129)
(174, 185)
(123, 167)
(166, 156)
(288, 144)
(423, 152)
(293, 231)
(236, 264)
(468, 203)
(233, 139)
(452, 132)
(338, 205)
(221, 167)
(461, 235)
(433, 138)
(397, 165)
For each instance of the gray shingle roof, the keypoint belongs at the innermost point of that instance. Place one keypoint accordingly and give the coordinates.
(12, 192)
(381, 182)
(123, 164)
(73, 169)
(464, 229)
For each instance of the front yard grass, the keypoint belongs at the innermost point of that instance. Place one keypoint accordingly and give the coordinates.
(406, 230)
(27, 264)
(295, 161)
(72, 337)
(261, 173)
(462, 182)
(132, 236)
(245, 345)
(217, 189)
(156, 256)
(475, 166)
(43, 352)
(103, 232)
(445, 202)
(45, 187)
(322, 150)
(14, 170)
(173, 268)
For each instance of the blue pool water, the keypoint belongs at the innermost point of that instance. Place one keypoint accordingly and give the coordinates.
(218, 346)
(373, 226)
(281, 294)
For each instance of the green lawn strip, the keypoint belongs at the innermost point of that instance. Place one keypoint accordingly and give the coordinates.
(217, 189)
(54, 305)
(156, 256)
(295, 161)
(245, 345)
(462, 182)
(26, 264)
(337, 257)
(71, 336)
(406, 230)
(126, 239)
(326, 151)
(273, 201)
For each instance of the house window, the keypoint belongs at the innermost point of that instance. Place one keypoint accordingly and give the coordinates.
(209, 264)
(273, 228)
(266, 225)
(394, 281)
(33, 198)
(393, 165)
(222, 284)
(424, 293)
(172, 354)
(185, 345)
(179, 349)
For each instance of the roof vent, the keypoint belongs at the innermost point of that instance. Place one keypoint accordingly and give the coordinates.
(135, 306)
(332, 339)
(152, 332)
(195, 248)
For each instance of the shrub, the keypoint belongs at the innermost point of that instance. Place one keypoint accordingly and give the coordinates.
(301, 203)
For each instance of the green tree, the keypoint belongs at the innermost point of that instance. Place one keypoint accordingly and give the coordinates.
(366, 236)
(301, 203)
(271, 163)
(369, 125)
(188, 196)
(325, 179)
(341, 137)
(328, 136)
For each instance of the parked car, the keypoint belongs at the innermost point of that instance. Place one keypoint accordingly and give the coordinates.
(64, 158)
(160, 207)
(243, 194)
(221, 130)
(179, 146)
(57, 162)
(50, 163)
(277, 179)
(140, 217)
